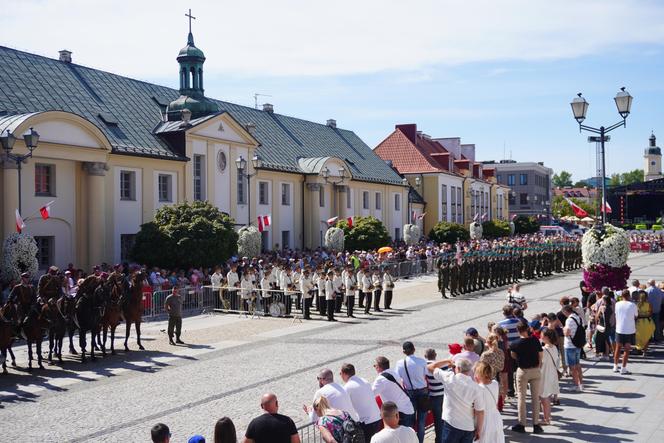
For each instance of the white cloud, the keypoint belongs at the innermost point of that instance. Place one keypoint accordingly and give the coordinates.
(304, 37)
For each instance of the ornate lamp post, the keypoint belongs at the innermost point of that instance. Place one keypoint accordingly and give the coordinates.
(7, 139)
(335, 180)
(241, 164)
(579, 109)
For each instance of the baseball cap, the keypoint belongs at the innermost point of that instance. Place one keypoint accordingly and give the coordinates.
(454, 348)
(196, 439)
(471, 331)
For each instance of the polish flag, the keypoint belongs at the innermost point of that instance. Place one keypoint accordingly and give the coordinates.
(263, 222)
(20, 225)
(476, 217)
(578, 211)
(349, 220)
(514, 217)
(421, 216)
(607, 208)
(45, 210)
(331, 221)
(484, 216)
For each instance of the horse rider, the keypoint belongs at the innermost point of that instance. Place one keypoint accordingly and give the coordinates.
(24, 297)
(50, 286)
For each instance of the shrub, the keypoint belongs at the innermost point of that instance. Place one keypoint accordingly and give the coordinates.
(366, 233)
(495, 229)
(444, 232)
(525, 225)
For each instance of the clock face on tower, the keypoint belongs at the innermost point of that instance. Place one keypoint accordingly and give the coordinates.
(221, 161)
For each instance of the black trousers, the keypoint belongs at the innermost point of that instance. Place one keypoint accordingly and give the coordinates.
(370, 429)
(350, 304)
(377, 294)
(330, 309)
(322, 304)
(367, 302)
(307, 308)
(388, 299)
(361, 300)
(174, 323)
(338, 301)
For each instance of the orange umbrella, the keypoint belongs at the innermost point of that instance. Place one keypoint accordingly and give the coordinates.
(385, 249)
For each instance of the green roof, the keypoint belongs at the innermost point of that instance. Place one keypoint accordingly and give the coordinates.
(33, 83)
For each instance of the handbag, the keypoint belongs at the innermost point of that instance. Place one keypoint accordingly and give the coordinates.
(423, 401)
(601, 328)
(560, 373)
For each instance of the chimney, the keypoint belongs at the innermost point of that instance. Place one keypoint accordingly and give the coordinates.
(65, 56)
(251, 128)
(267, 107)
(332, 123)
(409, 130)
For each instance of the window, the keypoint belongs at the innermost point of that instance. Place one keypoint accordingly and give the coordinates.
(443, 201)
(285, 239)
(285, 194)
(397, 202)
(511, 199)
(321, 196)
(378, 200)
(199, 177)
(459, 202)
(265, 241)
(164, 185)
(127, 185)
(126, 243)
(44, 251)
(523, 179)
(44, 180)
(523, 198)
(349, 198)
(510, 180)
(365, 200)
(499, 178)
(263, 198)
(397, 234)
(453, 202)
(241, 192)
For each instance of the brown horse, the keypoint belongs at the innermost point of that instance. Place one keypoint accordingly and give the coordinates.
(88, 308)
(112, 317)
(8, 319)
(33, 331)
(132, 307)
(58, 313)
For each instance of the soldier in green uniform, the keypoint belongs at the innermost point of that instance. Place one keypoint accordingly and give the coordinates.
(50, 285)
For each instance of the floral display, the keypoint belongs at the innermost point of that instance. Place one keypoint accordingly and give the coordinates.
(605, 251)
(248, 242)
(19, 256)
(334, 239)
(476, 231)
(411, 234)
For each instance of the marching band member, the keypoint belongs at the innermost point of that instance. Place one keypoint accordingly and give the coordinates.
(288, 287)
(266, 293)
(338, 284)
(367, 287)
(306, 288)
(322, 303)
(377, 284)
(351, 286)
(388, 287)
(232, 282)
(329, 296)
(360, 277)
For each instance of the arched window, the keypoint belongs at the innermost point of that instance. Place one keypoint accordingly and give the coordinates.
(194, 82)
(200, 78)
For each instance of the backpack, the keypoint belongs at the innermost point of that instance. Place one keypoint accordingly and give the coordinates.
(579, 338)
(353, 432)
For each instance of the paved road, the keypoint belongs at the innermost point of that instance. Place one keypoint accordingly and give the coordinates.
(230, 361)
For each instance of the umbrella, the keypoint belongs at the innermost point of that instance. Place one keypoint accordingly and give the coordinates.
(587, 219)
(384, 250)
(573, 218)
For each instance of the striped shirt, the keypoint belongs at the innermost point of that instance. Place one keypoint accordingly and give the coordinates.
(509, 324)
(436, 388)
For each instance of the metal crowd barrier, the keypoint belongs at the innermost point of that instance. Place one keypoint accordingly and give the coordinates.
(309, 433)
(194, 301)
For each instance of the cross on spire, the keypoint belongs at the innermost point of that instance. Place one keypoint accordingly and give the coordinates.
(190, 18)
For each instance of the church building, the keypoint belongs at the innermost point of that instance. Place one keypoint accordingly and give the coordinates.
(112, 150)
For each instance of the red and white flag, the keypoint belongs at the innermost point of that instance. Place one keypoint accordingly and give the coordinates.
(484, 216)
(349, 220)
(263, 222)
(607, 208)
(331, 221)
(477, 216)
(421, 216)
(578, 211)
(45, 210)
(20, 224)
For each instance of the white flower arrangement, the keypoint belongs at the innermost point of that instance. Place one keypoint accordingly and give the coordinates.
(248, 242)
(334, 239)
(512, 228)
(19, 256)
(476, 231)
(411, 234)
(609, 247)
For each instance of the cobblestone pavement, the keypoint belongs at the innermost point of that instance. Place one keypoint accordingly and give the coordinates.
(229, 361)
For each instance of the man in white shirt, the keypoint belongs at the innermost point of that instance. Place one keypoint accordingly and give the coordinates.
(392, 432)
(572, 353)
(335, 394)
(350, 287)
(232, 283)
(636, 286)
(413, 372)
(515, 298)
(306, 289)
(463, 405)
(626, 314)
(388, 385)
(364, 402)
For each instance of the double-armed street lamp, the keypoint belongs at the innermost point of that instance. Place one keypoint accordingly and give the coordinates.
(241, 164)
(579, 109)
(7, 139)
(335, 180)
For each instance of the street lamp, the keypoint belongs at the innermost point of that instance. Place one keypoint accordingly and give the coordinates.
(7, 139)
(335, 180)
(579, 110)
(241, 164)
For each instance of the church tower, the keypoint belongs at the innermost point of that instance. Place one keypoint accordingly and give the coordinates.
(192, 96)
(653, 160)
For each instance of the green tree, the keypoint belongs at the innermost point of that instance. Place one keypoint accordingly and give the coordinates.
(627, 178)
(560, 207)
(186, 234)
(444, 232)
(495, 229)
(366, 233)
(580, 184)
(525, 225)
(561, 180)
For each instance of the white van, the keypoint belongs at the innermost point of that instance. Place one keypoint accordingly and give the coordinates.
(552, 230)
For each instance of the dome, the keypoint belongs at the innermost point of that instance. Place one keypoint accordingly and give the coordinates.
(654, 151)
(199, 107)
(191, 51)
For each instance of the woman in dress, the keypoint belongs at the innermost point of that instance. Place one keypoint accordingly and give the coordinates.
(603, 330)
(645, 327)
(330, 421)
(492, 428)
(495, 358)
(549, 381)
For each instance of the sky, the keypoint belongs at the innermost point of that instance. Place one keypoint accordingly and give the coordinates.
(500, 74)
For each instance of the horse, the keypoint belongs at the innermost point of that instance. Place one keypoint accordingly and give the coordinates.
(88, 314)
(33, 331)
(112, 317)
(8, 319)
(59, 313)
(132, 308)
